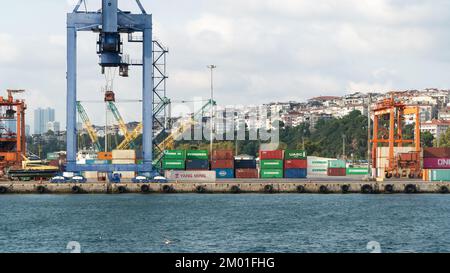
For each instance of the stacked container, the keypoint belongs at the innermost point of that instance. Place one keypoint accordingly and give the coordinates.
(197, 160)
(174, 160)
(223, 163)
(124, 157)
(295, 164)
(337, 168)
(318, 166)
(272, 166)
(246, 169)
(436, 164)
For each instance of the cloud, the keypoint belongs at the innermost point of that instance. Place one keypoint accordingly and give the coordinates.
(8, 49)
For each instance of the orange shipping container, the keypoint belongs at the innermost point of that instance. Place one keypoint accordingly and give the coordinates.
(104, 156)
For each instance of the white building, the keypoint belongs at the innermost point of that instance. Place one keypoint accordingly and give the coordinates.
(53, 126)
(435, 127)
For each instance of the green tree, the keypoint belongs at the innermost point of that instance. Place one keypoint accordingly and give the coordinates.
(444, 140)
(427, 139)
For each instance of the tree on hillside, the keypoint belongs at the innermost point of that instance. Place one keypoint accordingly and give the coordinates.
(444, 140)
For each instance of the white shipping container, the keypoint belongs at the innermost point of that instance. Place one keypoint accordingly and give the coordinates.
(123, 161)
(384, 151)
(203, 176)
(124, 154)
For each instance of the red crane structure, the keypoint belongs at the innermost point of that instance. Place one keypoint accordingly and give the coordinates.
(12, 131)
(389, 117)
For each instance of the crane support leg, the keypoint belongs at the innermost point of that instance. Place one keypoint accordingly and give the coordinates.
(147, 105)
(71, 96)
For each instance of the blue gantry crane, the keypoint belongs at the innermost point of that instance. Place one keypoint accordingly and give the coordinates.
(109, 23)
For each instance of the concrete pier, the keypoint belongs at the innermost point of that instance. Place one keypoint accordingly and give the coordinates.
(231, 186)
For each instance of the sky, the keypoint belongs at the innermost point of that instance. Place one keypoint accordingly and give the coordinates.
(265, 50)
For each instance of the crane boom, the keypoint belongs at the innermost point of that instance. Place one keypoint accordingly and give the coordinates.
(122, 125)
(88, 125)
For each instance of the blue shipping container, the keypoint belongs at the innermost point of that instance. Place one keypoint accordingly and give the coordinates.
(96, 162)
(245, 164)
(197, 164)
(225, 173)
(295, 173)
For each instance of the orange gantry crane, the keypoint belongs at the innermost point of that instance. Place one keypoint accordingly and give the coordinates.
(12, 131)
(389, 117)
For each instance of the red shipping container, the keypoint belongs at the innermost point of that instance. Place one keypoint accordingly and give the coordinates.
(436, 163)
(223, 155)
(296, 164)
(247, 173)
(275, 155)
(222, 164)
(337, 172)
(54, 163)
(436, 153)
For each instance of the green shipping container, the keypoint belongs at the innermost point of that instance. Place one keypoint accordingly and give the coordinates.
(197, 154)
(174, 164)
(357, 171)
(175, 154)
(294, 154)
(52, 156)
(337, 164)
(271, 164)
(275, 174)
(440, 175)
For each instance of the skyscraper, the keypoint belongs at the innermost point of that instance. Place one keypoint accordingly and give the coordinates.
(41, 119)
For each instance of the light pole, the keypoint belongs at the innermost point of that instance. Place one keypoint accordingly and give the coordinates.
(343, 146)
(212, 67)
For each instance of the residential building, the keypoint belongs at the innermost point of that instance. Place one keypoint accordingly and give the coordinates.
(435, 127)
(41, 119)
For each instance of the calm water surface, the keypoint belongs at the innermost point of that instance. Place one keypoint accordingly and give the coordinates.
(225, 223)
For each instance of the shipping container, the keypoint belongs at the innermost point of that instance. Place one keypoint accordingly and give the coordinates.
(317, 166)
(104, 156)
(222, 164)
(54, 163)
(337, 172)
(436, 153)
(295, 173)
(175, 154)
(317, 171)
(173, 164)
(124, 154)
(271, 164)
(440, 175)
(295, 154)
(245, 164)
(357, 171)
(436, 163)
(265, 155)
(337, 164)
(225, 173)
(96, 162)
(197, 154)
(247, 173)
(223, 155)
(197, 164)
(275, 173)
(296, 164)
(52, 156)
